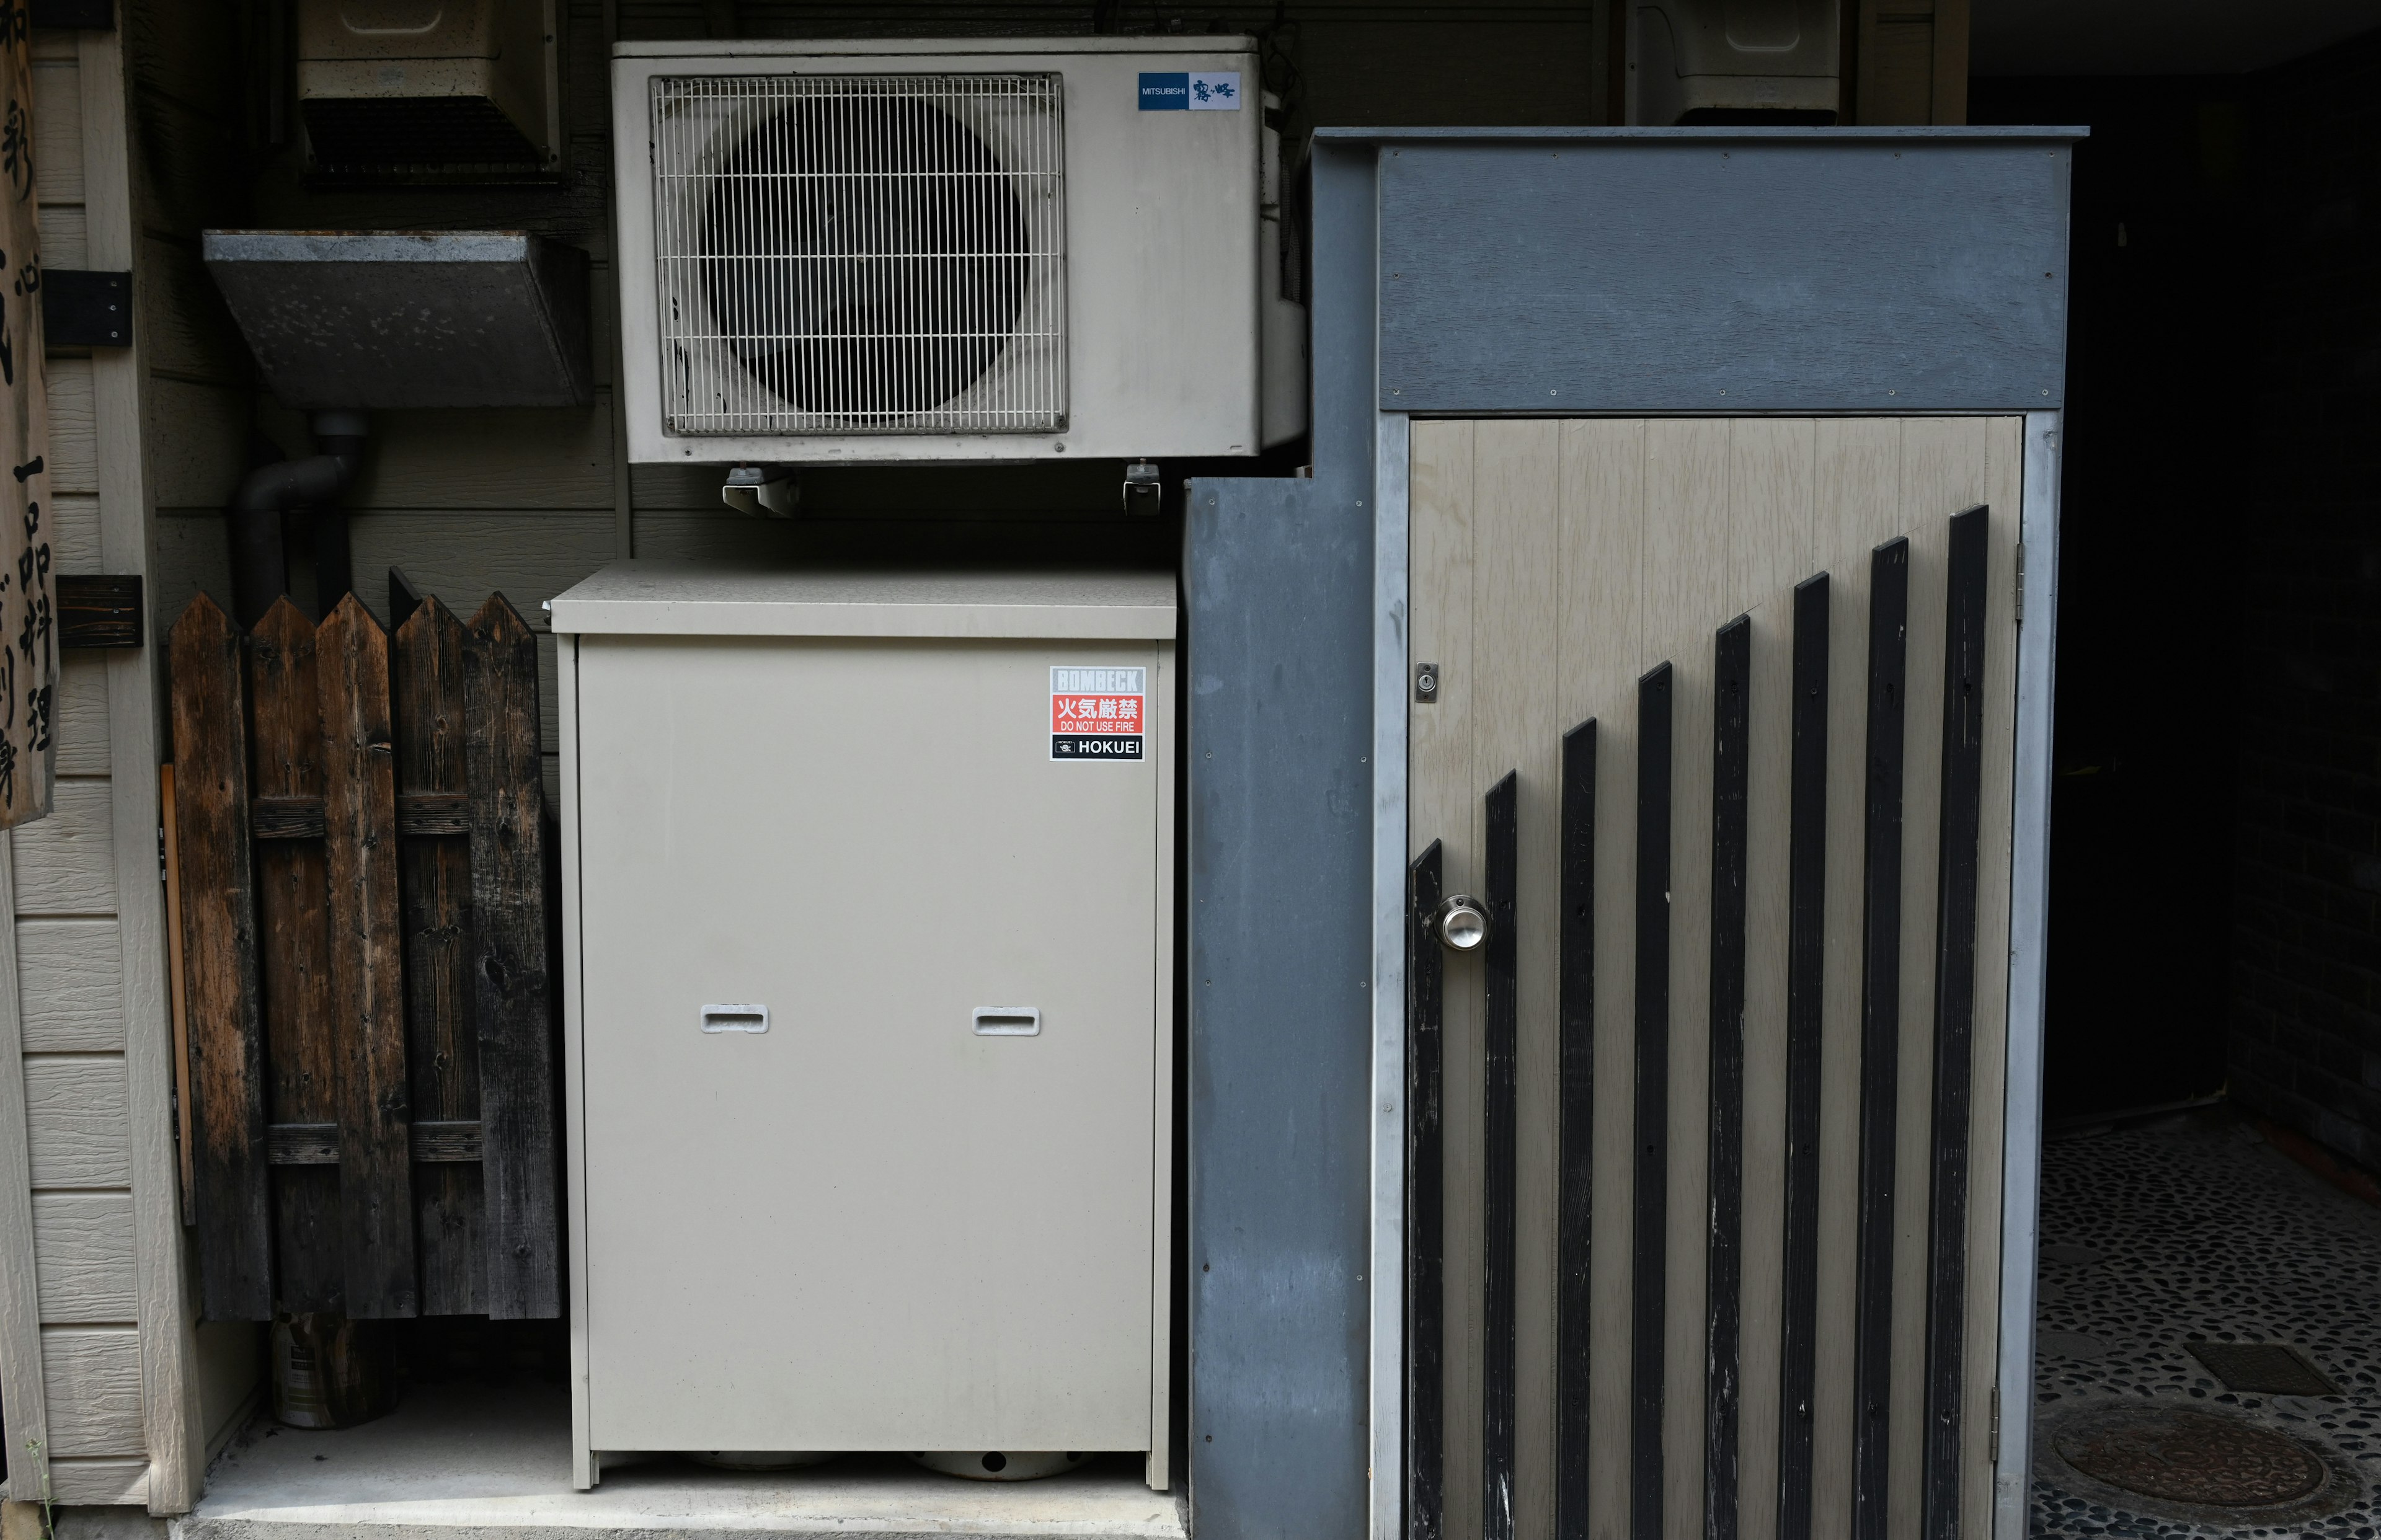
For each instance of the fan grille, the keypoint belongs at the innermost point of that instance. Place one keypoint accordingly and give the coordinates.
(860, 253)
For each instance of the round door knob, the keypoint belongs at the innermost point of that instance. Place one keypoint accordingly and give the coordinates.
(1460, 923)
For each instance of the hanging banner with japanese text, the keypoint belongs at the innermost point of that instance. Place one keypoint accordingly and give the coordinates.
(29, 638)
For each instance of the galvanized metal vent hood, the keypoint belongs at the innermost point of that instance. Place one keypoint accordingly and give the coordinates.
(398, 319)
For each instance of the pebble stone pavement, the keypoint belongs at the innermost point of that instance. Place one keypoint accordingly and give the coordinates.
(2192, 1227)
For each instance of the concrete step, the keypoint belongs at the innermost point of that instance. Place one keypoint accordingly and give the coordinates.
(466, 1463)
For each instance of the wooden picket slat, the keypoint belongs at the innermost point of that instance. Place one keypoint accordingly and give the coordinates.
(442, 1042)
(294, 961)
(235, 1239)
(514, 1004)
(359, 813)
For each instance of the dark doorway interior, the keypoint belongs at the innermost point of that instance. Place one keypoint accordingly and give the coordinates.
(2216, 887)
(2160, 339)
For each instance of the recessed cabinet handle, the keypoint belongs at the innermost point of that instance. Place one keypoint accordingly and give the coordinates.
(735, 1018)
(1008, 1021)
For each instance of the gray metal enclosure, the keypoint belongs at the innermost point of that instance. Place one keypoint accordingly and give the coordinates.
(1722, 1215)
(869, 936)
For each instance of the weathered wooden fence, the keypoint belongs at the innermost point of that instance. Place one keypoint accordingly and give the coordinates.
(362, 892)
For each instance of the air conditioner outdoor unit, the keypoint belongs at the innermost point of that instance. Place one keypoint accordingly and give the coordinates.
(980, 251)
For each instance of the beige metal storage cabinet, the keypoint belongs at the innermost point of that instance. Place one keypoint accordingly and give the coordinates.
(868, 948)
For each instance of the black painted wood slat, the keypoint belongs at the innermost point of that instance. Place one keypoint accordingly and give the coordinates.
(1500, 1017)
(1575, 1132)
(1955, 1015)
(1723, 1252)
(1649, 1291)
(1888, 624)
(1426, 1204)
(1806, 891)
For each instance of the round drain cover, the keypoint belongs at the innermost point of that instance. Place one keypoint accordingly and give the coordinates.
(2190, 1457)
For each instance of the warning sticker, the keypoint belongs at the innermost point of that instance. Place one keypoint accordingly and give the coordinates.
(1096, 713)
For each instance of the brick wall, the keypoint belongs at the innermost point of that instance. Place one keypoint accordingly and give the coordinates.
(2306, 1039)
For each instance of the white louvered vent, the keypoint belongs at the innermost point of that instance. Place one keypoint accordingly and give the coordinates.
(873, 255)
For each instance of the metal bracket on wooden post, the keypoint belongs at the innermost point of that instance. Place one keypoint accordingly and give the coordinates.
(84, 309)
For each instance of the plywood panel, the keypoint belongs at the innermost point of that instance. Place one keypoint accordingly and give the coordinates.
(1897, 70)
(65, 862)
(70, 985)
(83, 1250)
(81, 715)
(1772, 467)
(193, 165)
(186, 52)
(527, 557)
(57, 129)
(557, 458)
(1857, 504)
(1516, 483)
(76, 1118)
(189, 555)
(93, 1378)
(73, 440)
(1772, 490)
(1942, 473)
(1601, 647)
(181, 51)
(197, 441)
(1687, 578)
(188, 332)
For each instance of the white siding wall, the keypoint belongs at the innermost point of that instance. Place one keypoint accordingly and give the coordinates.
(97, 1337)
(68, 982)
(189, 157)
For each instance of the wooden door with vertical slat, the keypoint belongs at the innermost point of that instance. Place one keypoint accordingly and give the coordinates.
(1722, 736)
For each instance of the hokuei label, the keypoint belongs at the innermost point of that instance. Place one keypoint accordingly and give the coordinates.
(1097, 714)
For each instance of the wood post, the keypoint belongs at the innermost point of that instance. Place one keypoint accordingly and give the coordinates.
(294, 918)
(513, 991)
(442, 1044)
(367, 975)
(210, 798)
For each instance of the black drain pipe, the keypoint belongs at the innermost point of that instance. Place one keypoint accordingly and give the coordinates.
(260, 557)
